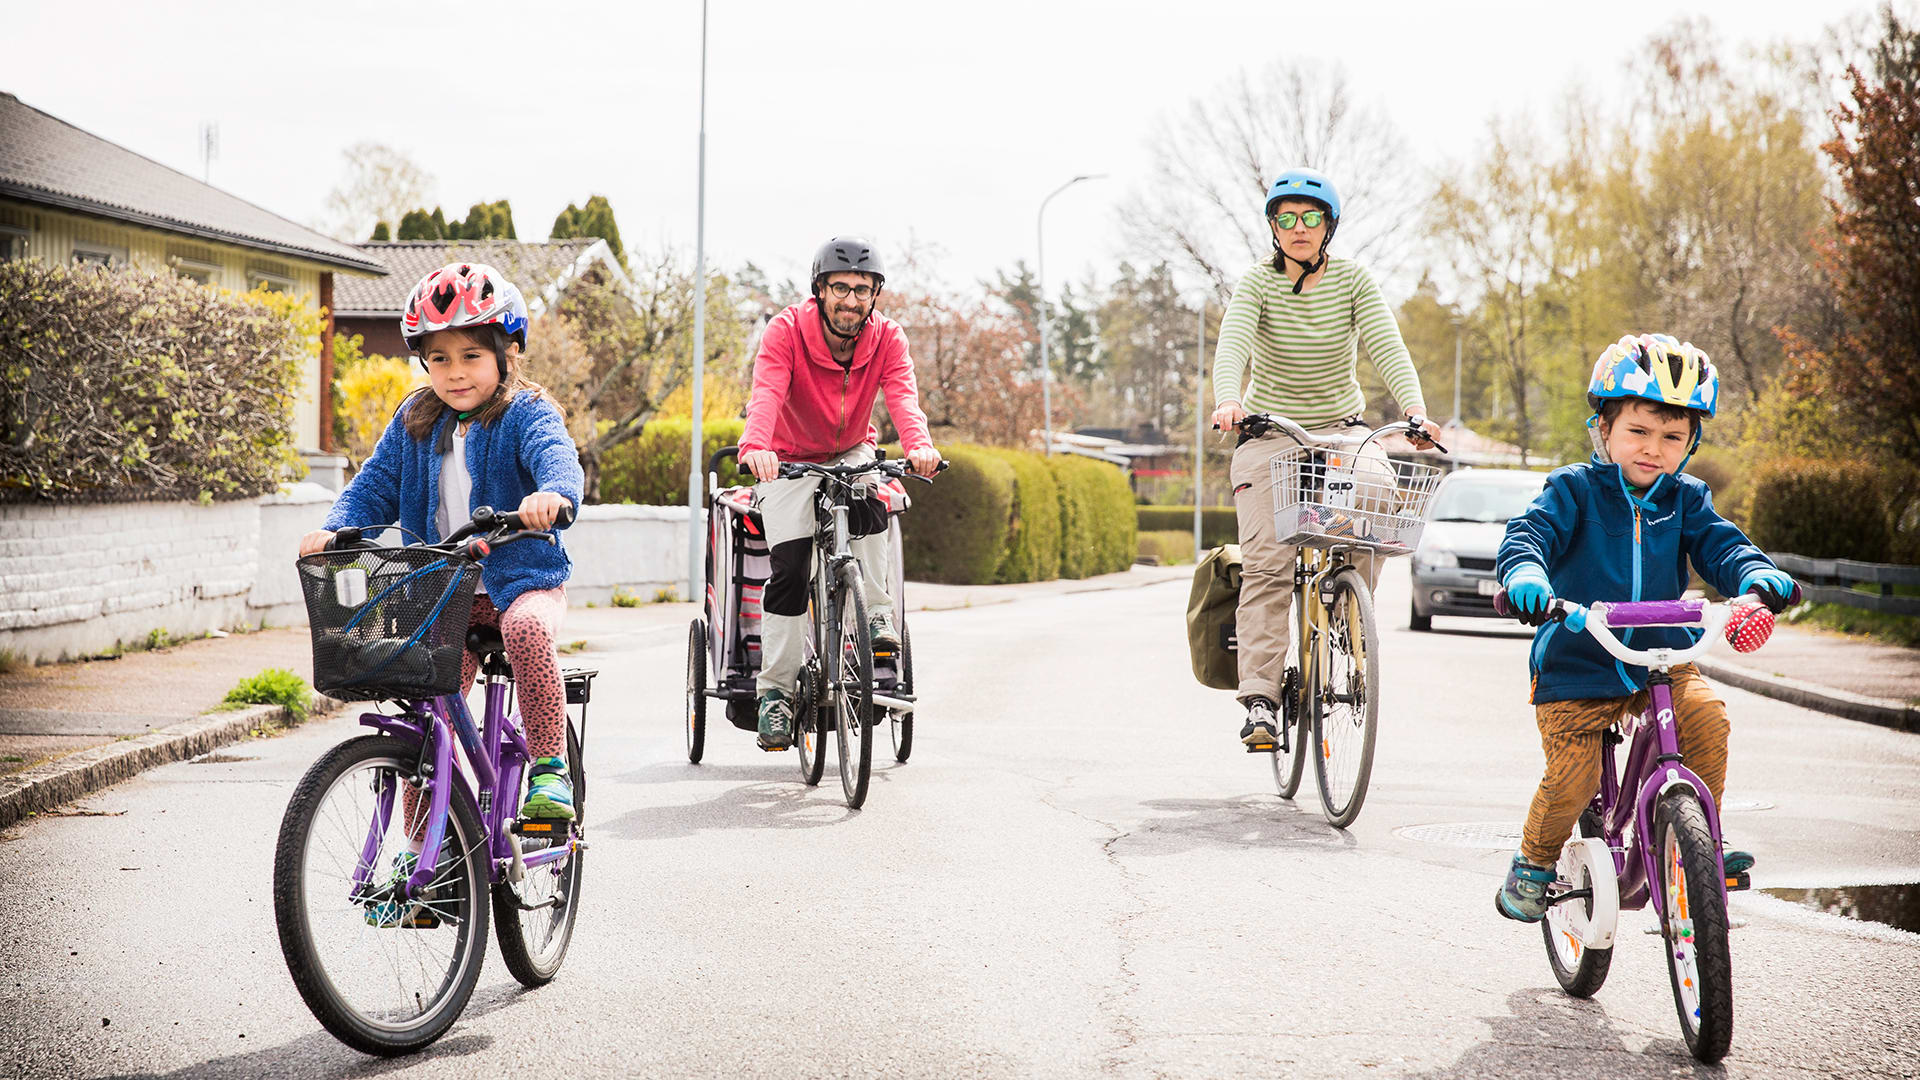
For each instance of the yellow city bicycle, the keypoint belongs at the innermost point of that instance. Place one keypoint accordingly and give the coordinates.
(1339, 507)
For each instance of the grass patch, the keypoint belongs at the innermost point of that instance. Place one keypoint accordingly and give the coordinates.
(1166, 547)
(623, 598)
(666, 595)
(572, 647)
(274, 686)
(11, 662)
(1881, 626)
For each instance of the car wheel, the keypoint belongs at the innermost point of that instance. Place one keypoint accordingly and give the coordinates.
(1417, 621)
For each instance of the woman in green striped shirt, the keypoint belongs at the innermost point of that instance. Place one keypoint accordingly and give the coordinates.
(1292, 326)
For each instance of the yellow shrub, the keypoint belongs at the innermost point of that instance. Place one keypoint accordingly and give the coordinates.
(370, 390)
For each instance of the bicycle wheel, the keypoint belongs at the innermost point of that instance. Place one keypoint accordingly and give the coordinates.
(1290, 765)
(697, 690)
(1579, 970)
(809, 741)
(852, 669)
(901, 723)
(382, 980)
(533, 918)
(1345, 702)
(1694, 924)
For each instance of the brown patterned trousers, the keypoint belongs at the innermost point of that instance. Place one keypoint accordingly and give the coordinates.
(1570, 735)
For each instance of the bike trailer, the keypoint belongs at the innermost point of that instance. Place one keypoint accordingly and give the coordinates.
(1210, 618)
(738, 565)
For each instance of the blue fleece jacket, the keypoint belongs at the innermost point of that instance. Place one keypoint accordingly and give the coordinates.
(526, 450)
(1598, 542)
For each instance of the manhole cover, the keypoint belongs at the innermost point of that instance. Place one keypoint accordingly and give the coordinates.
(1737, 805)
(1467, 834)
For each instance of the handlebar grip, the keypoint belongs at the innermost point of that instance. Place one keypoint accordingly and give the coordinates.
(344, 538)
(564, 518)
(1502, 607)
(722, 454)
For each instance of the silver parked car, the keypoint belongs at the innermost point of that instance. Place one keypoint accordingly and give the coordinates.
(1453, 566)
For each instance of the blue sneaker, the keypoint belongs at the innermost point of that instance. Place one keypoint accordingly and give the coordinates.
(549, 791)
(776, 721)
(389, 913)
(1736, 862)
(1524, 896)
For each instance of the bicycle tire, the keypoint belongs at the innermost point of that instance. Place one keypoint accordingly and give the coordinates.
(537, 966)
(809, 742)
(900, 723)
(1289, 768)
(852, 669)
(1693, 924)
(1583, 977)
(464, 853)
(1343, 731)
(696, 690)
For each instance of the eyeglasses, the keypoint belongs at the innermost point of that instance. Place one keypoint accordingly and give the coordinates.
(1311, 219)
(841, 289)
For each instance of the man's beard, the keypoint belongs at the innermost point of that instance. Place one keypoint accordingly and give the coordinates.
(846, 324)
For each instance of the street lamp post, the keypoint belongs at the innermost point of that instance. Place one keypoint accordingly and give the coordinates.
(695, 572)
(1040, 248)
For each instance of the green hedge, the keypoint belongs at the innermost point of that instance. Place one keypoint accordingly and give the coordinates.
(1821, 509)
(129, 383)
(1218, 525)
(1166, 548)
(651, 467)
(1098, 526)
(1033, 523)
(957, 530)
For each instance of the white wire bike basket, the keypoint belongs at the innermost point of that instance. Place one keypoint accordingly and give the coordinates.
(1326, 497)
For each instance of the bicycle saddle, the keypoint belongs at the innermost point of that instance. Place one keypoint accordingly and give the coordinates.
(485, 641)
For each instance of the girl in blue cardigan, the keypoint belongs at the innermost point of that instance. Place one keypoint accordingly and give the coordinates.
(482, 434)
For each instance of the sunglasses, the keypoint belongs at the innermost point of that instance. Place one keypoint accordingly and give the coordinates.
(841, 289)
(1311, 219)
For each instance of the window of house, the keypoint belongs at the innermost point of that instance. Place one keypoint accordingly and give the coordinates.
(88, 254)
(194, 269)
(13, 243)
(257, 279)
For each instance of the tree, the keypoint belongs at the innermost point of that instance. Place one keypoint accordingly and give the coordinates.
(1212, 166)
(420, 225)
(1872, 369)
(380, 233)
(487, 221)
(381, 183)
(593, 219)
(1142, 323)
(970, 363)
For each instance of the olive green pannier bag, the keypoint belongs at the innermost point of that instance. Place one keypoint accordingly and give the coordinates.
(1210, 607)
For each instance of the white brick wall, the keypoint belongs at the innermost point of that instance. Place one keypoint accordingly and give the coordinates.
(76, 579)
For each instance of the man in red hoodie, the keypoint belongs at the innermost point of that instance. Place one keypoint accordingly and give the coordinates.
(821, 364)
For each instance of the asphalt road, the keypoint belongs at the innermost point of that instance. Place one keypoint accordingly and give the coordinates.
(1078, 874)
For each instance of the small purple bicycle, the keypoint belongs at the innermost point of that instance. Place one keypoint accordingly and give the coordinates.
(1652, 834)
(384, 942)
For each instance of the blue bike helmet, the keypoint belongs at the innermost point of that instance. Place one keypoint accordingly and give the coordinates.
(1656, 368)
(1315, 186)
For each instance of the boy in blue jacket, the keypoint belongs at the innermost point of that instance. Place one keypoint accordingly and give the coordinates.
(1622, 527)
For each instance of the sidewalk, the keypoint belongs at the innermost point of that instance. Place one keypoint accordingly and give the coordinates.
(68, 729)
(1854, 677)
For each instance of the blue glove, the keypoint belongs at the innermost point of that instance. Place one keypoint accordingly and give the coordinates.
(1773, 586)
(1528, 593)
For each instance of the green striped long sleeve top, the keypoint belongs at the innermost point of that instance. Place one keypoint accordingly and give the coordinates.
(1301, 348)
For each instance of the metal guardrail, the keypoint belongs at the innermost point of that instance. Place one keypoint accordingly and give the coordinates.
(1830, 581)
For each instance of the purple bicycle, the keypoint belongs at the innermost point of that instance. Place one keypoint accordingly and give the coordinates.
(1652, 834)
(384, 942)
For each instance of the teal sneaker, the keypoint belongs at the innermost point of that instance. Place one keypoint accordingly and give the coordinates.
(549, 791)
(880, 630)
(390, 913)
(1736, 862)
(776, 720)
(1524, 896)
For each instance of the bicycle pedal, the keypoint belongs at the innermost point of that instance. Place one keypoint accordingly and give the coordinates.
(1262, 748)
(422, 919)
(1737, 882)
(540, 828)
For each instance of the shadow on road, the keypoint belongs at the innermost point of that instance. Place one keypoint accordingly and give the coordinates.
(1548, 1034)
(784, 803)
(1250, 821)
(320, 1054)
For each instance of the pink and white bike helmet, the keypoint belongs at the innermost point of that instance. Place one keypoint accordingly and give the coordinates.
(461, 296)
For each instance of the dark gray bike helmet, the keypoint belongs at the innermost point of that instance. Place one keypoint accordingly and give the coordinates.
(847, 253)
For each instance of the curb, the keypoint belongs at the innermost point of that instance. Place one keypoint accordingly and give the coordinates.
(79, 774)
(1871, 710)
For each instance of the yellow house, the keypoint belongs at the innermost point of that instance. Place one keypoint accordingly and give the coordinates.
(67, 195)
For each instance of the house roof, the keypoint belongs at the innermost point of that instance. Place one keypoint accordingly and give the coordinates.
(541, 269)
(46, 161)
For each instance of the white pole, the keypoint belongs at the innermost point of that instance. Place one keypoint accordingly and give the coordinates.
(1456, 374)
(695, 572)
(1199, 429)
(1040, 275)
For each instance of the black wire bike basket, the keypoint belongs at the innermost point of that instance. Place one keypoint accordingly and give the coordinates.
(387, 622)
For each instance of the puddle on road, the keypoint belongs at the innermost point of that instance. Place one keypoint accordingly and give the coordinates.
(1894, 905)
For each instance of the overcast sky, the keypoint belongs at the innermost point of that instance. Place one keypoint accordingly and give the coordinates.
(947, 122)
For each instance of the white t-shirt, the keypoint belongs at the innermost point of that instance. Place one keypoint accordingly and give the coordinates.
(456, 489)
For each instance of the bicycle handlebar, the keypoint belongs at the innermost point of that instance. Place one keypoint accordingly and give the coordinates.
(794, 470)
(500, 527)
(1258, 424)
(1603, 618)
